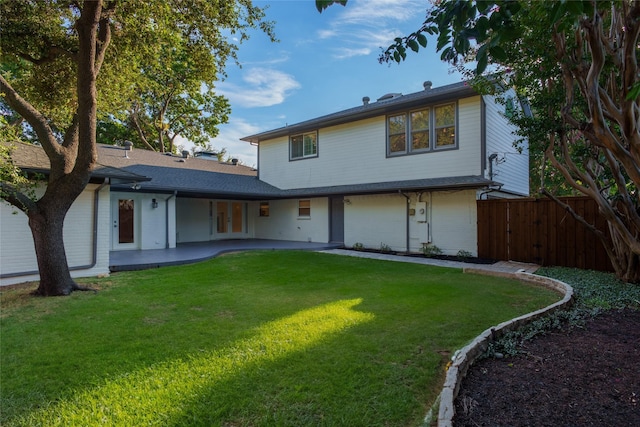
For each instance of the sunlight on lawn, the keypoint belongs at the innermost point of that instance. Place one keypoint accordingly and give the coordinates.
(161, 393)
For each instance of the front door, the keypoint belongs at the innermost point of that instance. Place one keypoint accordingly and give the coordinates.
(124, 224)
(230, 219)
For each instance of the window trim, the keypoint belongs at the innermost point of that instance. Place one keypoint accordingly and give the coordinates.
(308, 156)
(307, 208)
(408, 151)
(264, 210)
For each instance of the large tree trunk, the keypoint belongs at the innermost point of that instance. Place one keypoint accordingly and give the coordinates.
(46, 229)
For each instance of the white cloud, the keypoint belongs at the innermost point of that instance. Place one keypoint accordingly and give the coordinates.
(262, 87)
(365, 26)
(369, 12)
(350, 52)
(326, 34)
(229, 138)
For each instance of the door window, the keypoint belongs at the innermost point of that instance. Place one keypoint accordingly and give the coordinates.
(125, 221)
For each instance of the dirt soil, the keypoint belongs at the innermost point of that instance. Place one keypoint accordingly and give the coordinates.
(588, 376)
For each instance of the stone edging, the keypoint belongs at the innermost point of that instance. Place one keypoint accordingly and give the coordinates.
(465, 357)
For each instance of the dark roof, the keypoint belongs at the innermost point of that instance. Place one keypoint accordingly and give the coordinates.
(433, 184)
(194, 177)
(387, 104)
(118, 157)
(201, 183)
(32, 159)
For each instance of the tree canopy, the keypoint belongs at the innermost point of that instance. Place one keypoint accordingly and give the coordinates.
(64, 63)
(576, 63)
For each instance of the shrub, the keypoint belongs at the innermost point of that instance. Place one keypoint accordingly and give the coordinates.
(384, 248)
(430, 250)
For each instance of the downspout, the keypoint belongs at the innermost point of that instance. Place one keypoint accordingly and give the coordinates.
(166, 211)
(491, 159)
(407, 218)
(94, 249)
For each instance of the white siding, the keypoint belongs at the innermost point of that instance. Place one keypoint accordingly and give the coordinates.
(193, 223)
(512, 168)
(150, 224)
(377, 220)
(454, 224)
(283, 222)
(17, 254)
(355, 153)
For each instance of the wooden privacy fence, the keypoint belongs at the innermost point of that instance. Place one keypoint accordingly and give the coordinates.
(540, 231)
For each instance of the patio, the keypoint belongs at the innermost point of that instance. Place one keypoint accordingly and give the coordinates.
(187, 253)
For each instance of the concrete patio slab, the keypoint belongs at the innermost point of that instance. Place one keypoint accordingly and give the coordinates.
(188, 253)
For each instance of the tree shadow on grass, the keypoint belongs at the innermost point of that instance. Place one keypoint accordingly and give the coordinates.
(174, 390)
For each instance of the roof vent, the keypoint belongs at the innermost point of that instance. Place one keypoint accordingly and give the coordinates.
(365, 100)
(427, 85)
(389, 96)
(234, 161)
(128, 146)
(185, 154)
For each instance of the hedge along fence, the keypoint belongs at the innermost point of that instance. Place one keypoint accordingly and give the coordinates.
(540, 231)
(465, 357)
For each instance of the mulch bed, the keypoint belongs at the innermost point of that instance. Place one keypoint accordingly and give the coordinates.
(587, 376)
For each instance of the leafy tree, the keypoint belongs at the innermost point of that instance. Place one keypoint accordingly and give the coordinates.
(173, 96)
(577, 63)
(59, 58)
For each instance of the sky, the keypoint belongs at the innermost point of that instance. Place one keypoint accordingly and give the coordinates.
(323, 63)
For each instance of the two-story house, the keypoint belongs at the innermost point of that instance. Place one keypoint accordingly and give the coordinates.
(400, 172)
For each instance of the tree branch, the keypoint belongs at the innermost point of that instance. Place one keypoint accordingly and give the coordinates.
(15, 197)
(53, 53)
(134, 118)
(37, 121)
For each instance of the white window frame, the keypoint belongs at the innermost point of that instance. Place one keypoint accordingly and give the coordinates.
(306, 209)
(306, 153)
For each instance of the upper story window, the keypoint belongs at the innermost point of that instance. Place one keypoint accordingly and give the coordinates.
(422, 130)
(304, 145)
(445, 117)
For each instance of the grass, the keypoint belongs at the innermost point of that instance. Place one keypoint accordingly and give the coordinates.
(249, 339)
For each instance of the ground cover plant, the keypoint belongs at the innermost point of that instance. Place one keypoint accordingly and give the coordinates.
(595, 292)
(576, 367)
(255, 338)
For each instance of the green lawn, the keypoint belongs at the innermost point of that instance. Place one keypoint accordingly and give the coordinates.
(250, 339)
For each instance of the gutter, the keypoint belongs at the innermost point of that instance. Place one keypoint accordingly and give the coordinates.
(94, 249)
(407, 219)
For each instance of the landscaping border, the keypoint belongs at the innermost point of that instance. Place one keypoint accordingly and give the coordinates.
(465, 357)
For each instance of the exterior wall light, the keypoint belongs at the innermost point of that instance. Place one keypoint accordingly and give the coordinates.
(154, 203)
